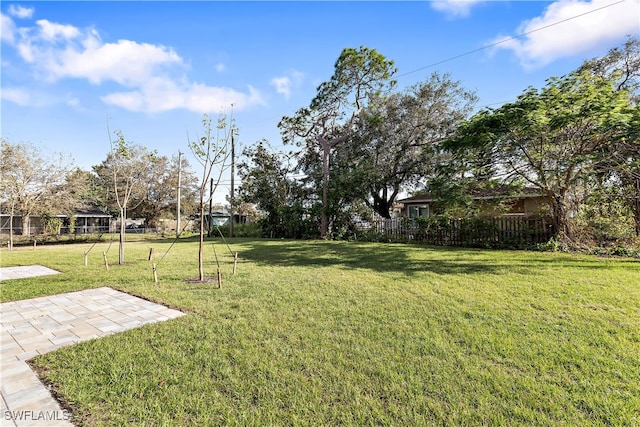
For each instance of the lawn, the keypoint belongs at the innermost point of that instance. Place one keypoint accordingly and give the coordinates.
(343, 333)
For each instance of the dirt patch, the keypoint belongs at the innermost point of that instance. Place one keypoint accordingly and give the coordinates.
(206, 280)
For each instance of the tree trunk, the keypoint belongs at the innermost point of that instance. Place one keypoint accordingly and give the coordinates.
(11, 226)
(381, 204)
(201, 242)
(324, 222)
(636, 206)
(123, 220)
(26, 229)
(560, 217)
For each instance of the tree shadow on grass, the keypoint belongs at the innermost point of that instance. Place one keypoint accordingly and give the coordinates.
(412, 259)
(406, 259)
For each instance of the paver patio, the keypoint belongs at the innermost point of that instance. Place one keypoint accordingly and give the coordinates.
(25, 271)
(40, 325)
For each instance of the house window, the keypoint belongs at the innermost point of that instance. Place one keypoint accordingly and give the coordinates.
(418, 211)
(517, 207)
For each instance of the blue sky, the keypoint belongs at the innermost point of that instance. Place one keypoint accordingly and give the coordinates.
(151, 69)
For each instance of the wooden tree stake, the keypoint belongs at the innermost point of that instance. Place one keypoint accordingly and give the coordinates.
(106, 261)
(219, 279)
(86, 259)
(235, 263)
(150, 254)
(155, 273)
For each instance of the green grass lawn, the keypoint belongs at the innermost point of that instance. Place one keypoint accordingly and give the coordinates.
(339, 333)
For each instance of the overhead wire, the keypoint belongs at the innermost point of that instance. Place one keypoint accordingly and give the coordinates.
(174, 242)
(509, 39)
(225, 184)
(487, 46)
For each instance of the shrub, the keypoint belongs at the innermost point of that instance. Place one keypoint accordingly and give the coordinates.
(243, 230)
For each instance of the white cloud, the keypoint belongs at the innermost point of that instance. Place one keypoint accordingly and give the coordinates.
(52, 31)
(17, 96)
(20, 11)
(154, 75)
(26, 97)
(598, 29)
(113, 61)
(63, 51)
(73, 102)
(7, 29)
(283, 84)
(455, 8)
(162, 94)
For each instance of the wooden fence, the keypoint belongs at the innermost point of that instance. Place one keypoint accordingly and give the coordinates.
(474, 232)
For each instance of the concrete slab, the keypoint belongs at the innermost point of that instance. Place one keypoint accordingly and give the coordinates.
(40, 325)
(10, 273)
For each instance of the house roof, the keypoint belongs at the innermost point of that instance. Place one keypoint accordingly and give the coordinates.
(86, 213)
(91, 213)
(483, 194)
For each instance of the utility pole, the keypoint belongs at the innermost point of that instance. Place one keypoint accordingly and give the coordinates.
(233, 172)
(178, 204)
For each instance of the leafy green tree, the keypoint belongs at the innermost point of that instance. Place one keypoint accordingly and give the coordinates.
(84, 187)
(268, 181)
(265, 177)
(628, 170)
(343, 190)
(359, 75)
(82, 191)
(620, 166)
(619, 173)
(553, 138)
(398, 140)
(621, 65)
(160, 197)
(32, 184)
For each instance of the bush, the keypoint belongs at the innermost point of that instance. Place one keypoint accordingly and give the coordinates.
(553, 245)
(43, 239)
(603, 221)
(242, 230)
(52, 224)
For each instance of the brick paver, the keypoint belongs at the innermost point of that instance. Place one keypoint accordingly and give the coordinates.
(40, 325)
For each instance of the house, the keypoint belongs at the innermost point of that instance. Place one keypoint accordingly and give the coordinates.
(88, 221)
(499, 201)
(82, 222)
(221, 218)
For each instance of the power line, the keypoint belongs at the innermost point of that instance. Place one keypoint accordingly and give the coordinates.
(508, 39)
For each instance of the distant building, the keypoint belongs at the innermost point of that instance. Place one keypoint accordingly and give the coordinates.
(221, 218)
(523, 202)
(82, 222)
